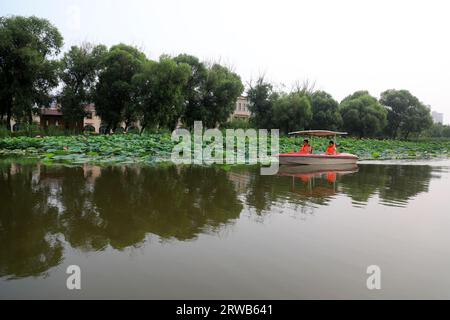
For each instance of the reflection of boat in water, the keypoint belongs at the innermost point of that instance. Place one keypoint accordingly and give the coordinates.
(320, 180)
(317, 170)
(312, 159)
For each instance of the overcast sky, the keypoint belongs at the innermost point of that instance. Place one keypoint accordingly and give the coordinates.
(342, 45)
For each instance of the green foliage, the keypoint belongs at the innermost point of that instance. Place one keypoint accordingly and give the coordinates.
(35, 129)
(146, 148)
(437, 130)
(406, 114)
(238, 124)
(194, 89)
(127, 87)
(159, 92)
(4, 132)
(262, 97)
(210, 92)
(114, 90)
(123, 148)
(27, 69)
(325, 111)
(79, 71)
(362, 115)
(222, 88)
(292, 112)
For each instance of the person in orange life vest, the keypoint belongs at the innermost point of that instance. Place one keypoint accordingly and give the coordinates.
(306, 149)
(331, 150)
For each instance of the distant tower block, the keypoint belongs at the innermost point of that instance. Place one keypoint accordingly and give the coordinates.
(437, 117)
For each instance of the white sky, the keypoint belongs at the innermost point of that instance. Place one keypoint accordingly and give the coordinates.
(342, 45)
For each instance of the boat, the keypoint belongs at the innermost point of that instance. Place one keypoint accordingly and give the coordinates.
(297, 158)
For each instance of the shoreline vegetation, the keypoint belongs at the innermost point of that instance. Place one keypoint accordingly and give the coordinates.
(157, 147)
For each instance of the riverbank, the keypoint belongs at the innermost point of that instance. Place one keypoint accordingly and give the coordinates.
(151, 148)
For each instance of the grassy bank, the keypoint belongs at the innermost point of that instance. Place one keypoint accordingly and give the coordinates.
(154, 147)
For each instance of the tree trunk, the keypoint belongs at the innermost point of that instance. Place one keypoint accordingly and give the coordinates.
(30, 122)
(395, 133)
(9, 103)
(142, 130)
(8, 120)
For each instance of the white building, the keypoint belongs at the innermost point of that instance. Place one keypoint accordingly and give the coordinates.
(437, 117)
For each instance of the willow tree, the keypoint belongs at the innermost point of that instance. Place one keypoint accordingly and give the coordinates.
(406, 114)
(325, 110)
(194, 88)
(262, 96)
(363, 115)
(114, 91)
(292, 111)
(79, 72)
(28, 68)
(222, 89)
(159, 92)
(211, 92)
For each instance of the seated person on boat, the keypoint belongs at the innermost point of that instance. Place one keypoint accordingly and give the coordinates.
(331, 150)
(306, 149)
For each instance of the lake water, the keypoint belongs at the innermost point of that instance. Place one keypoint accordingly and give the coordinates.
(210, 233)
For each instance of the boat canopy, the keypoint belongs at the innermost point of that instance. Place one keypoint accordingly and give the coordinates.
(318, 133)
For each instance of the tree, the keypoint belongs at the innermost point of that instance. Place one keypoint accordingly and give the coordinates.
(446, 131)
(27, 71)
(417, 119)
(406, 114)
(325, 111)
(114, 90)
(159, 90)
(222, 88)
(262, 97)
(79, 72)
(194, 88)
(3, 100)
(438, 130)
(210, 93)
(292, 112)
(362, 115)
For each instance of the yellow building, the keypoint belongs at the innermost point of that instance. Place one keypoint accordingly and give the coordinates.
(91, 122)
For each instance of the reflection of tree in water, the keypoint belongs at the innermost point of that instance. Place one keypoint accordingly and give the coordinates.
(360, 187)
(169, 202)
(122, 205)
(28, 222)
(395, 184)
(405, 182)
(80, 222)
(93, 208)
